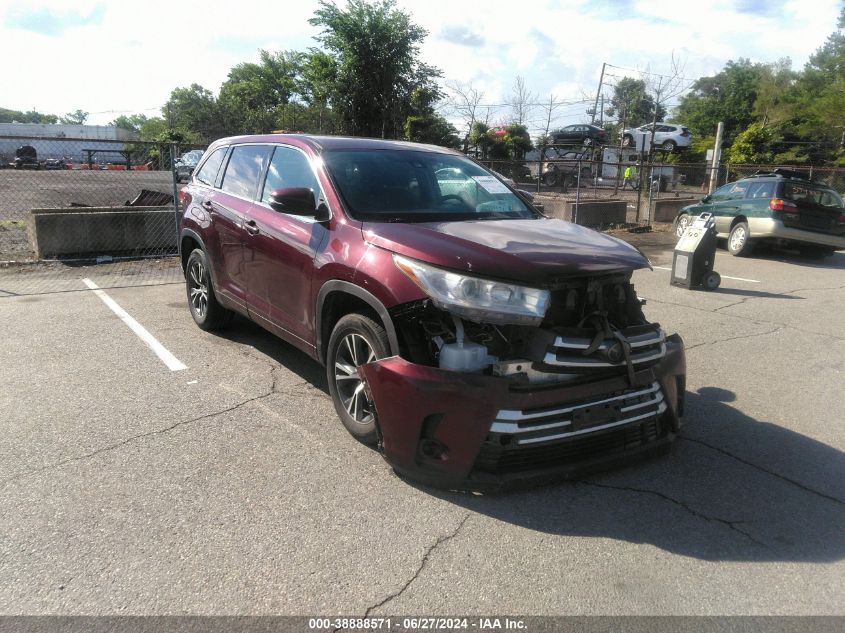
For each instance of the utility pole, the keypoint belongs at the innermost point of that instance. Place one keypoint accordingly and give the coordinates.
(598, 92)
(717, 155)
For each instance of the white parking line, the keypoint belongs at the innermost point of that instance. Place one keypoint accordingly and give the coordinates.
(173, 363)
(751, 281)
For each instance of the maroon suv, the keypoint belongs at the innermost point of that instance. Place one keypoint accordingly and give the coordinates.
(476, 341)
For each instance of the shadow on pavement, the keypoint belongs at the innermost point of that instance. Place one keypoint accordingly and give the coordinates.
(245, 332)
(732, 489)
(762, 294)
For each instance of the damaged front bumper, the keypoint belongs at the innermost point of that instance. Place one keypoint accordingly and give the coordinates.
(471, 431)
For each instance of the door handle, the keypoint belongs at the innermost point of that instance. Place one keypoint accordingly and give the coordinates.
(207, 205)
(251, 227)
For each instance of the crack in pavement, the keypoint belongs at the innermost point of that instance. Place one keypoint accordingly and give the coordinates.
(732, 338)
(761, 469)
(754, 320)
(730, 524)
(440, 540)
(129, 440)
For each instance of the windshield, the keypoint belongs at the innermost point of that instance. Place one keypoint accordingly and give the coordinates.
(410, 186)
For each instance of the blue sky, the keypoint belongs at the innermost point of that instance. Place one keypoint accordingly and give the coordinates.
(111, 57)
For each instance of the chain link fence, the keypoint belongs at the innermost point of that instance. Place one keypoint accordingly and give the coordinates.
(108, 210)
(74, 208)
(652, 189)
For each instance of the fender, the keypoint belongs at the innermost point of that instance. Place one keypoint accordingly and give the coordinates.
(195, 236)
(336, 285)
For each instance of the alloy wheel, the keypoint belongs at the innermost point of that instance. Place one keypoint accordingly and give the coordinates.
(738, 238)
(683, 223)
(353, 351)
(198, 289)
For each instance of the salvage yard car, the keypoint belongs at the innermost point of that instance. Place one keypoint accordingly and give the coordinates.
(473, 340)
(780, 207)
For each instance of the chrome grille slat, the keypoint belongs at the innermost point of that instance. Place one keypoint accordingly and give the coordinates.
(548, 438)
(519, 423)
(568, 351)
(640, 340)
(520, 416)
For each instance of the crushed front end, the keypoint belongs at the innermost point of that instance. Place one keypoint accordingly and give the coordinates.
(473, 404)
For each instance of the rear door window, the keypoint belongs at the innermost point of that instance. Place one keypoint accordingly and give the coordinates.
(244, 170)
(761, 190)
(207, 174)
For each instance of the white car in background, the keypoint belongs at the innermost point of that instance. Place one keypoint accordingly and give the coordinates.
(667, 136)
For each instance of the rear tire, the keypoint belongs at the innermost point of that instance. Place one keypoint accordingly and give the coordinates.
(668, 146)
(739, 240)
(356, 340)
(208, 314)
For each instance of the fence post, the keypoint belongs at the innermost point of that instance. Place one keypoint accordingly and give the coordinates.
(174, 179)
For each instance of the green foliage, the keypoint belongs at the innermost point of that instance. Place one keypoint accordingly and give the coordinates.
(728, 96)
(753, 145)
(632, 103)
(254, 95)
(480, 138)
(132, 122)
(77, 117)
(512, 145)
(12, 116)
(375, 47)
(193, 109)
(431, 128)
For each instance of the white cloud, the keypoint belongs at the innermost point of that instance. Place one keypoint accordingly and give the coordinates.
(131, 58)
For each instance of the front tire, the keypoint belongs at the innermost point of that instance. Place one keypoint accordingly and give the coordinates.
(356, 340)
(208, 314)
(739, 240)
(668, 146)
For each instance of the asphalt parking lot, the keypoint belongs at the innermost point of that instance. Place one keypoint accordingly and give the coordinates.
(230, 487)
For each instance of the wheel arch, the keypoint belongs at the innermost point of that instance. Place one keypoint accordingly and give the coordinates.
(337, 298)
(188, 241)
(737, 219)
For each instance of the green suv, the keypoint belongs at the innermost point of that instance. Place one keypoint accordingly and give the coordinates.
(777, 207)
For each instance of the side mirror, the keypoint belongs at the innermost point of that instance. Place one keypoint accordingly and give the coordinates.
(293, 200)
(706, 198)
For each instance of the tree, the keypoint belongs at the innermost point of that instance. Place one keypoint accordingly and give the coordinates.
(463, 100)
(16, 116)
(318, 77)
(424, 125)
(193, 109)
(632, 103)
(815, 103)
(132, 122)
(77, 117)
(521, 101)
(753, 145)
(729, 96)
(254, 95)
(376, 49)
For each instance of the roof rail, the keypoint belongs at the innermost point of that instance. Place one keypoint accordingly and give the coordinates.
(781, 172)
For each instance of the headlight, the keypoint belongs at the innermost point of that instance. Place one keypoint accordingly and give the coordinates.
(477, 299)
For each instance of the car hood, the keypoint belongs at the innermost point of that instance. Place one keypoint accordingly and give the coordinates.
(529, 251)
